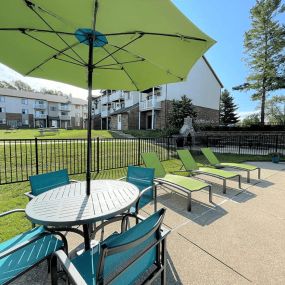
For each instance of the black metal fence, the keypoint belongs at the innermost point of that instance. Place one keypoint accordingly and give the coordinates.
(21, 158)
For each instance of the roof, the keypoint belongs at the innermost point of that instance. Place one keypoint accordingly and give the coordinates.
(41, 96)
(125, 110)
(212, 70)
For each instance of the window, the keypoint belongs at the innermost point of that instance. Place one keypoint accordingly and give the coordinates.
(25, 111)
(2, 99)
(52, 108)
(2, 110)
(77, 107)
(2, 121)
(63, 113)
(25, 101)
(41, 102)
(25, 122)
(128, 95)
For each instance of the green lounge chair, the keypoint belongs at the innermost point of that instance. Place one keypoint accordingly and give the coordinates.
(182, 183)
(191, 166)
(211, 157)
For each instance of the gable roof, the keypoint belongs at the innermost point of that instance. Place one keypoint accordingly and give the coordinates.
(212, 70)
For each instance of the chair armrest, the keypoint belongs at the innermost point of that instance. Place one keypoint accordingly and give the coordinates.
(30, 195)
(73, 181)
(11, 212)
(122, 178)
(67, 265)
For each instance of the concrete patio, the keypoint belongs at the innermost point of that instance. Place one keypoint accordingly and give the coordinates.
(237, 240)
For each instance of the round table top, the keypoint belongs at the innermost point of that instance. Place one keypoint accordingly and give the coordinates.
(69, 205)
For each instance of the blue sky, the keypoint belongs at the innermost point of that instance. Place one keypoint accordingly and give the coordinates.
(224, 20)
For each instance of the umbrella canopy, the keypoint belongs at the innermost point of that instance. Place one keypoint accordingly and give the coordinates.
(100, 44)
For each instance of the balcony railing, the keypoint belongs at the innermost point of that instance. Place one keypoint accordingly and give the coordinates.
(104, 113)
(65, 117)
(116, 96)
(40, 116)
(40, 106)
(149, 105)
(65, 108)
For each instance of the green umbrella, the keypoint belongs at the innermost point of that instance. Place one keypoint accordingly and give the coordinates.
(100, 44)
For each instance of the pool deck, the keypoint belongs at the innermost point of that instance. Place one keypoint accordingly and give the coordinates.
(240, 239)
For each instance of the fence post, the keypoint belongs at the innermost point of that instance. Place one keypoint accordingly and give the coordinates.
(139, 151)
(168, 148)
(276, 143)
(239, 139)
(97, 155)
(37, 156)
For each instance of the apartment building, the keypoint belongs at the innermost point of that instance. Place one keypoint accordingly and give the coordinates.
(120, 110)
(22, 109)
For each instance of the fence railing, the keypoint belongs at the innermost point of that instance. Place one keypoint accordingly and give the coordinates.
(21, 158)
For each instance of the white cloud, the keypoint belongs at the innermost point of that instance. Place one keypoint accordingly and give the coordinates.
(242, 115)
(9, 74)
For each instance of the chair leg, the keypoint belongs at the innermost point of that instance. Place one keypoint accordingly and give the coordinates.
(189, 207)
(248, 176)
(259, 172)
(163, 261)
(210, 194)
(53, 265)
(224, 186)
(239, 182)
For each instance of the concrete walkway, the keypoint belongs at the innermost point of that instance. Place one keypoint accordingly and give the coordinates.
(240, 239)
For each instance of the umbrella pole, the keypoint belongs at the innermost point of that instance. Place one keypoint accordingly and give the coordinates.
(89, 124)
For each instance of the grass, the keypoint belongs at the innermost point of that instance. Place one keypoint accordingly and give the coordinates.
(145, 133)
(62, 134)
(12, 195)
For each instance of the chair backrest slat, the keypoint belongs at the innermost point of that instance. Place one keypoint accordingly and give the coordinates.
(208, 153)
(151, 160)
(187, 159)
(47, 181)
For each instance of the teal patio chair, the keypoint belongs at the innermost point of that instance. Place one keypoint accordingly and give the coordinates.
(143, 178)
(185, 184)
(22, 252)
(43, 182)
(136, 256)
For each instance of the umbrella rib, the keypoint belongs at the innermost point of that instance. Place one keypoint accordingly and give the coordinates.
(133, 54)
(120, 63)
(118, 49)
(48, 45)
(32, 6)
(123, 68)
(64, 60)
(49, 58)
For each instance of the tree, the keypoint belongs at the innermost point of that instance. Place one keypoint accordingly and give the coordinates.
(5, 84)
(250, 120)
(275, 110)
(20, 85)
(227, 109)
(51, 92)
(180, 109)
(264, 46)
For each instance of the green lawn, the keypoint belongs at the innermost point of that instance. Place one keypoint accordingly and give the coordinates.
(62, 134)
(12, 195)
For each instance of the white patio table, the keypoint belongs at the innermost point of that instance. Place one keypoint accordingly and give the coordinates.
(69, 205)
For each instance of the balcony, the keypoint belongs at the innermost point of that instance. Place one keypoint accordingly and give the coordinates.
(117, 96)
(149, 105)
(40, 116)
(65, 108)
(104, 113)
(104, 99)
(65, 117)
(40, 106)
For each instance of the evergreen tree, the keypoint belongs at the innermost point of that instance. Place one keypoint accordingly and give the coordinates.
(264, 46)
(227, 109)
(180, 110)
